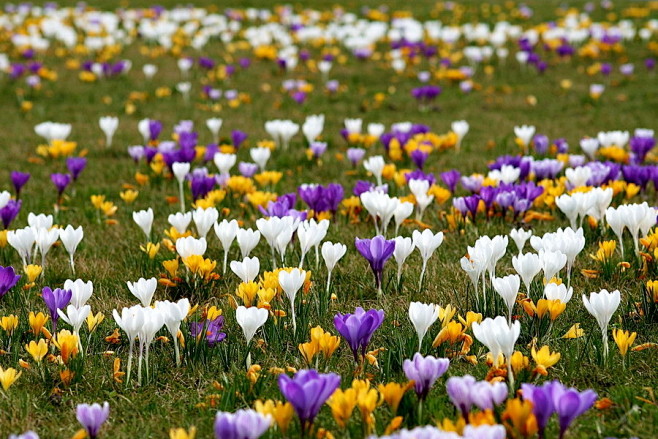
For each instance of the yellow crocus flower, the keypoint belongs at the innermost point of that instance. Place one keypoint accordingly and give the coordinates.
(129, 195)
(624, 340)
(281, 412)
(37, 350)
(32, 272)
(342, 404)
(544, 359)
(8, 377)
(180, 433)
(392, 393)
(9, 324)
(37, 321)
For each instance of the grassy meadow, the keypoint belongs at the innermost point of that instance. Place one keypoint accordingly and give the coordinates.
(505, 94)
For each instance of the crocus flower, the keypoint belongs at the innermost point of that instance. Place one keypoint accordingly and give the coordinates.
(10, 212)
(358, 328)
(243, 424)
(376, 251)
(307, 391)
(424, 371)
(92, 417)
(602, 306)
(61, 181)
(451, 178)
(237, 137)
(8, 279)
(355, 155)
(76, 165)
(554, 397)
(19, 179)
(55, 299)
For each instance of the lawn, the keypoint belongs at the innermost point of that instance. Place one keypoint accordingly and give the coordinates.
(504, 94)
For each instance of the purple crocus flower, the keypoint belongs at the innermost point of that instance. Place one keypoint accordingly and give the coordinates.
(540, 142)
(554, 397)
(606, 68)
(466, 205)
(211, 328)
(424, 371)
(247, 169)
(472, 183)
(136, 152)
(206, 62)
(61, 181)
(318, 148)
(243, 424)
(450, 178)
(459, 392)
(307, 391)
(55, 299)
(8, 279)
(376, 251)
(92, 417)
(362, 186)
(200, 185)
(419, 157)
(355, 155)
(641, 145)
(19, 179)
(155, 128)
(76, 165)
(10, 212)
(358, 328)
(237, 137)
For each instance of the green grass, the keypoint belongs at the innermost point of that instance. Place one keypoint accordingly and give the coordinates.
(109, 255)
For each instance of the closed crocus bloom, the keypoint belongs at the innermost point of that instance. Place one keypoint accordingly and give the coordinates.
(190, 246)
(92, 417)
(486, 395)
(332, 253)
(173, 314)
(520, 236)
(45, 239)
(500, 338)
(508, 288)
(153, 322)
(358, 328)
(8, 279)
(376, 251)
(602, 306)
(149, 70)
(291, 282)
(131, 322)
(214, 124)
(460, 128)
(459, 392)
(224, 162)
(180, 170)
(422, 316)
(375, 165)
(527, 266)
(424, 371)
(247, 241)
(247, 269)
(307, 391)
(226, 232)
(108, 125)
(143, 290)
(144, 219)
(204, 220)
(180, 221)
(312, 127)
(560, 292)
(260, 155)
(71, 238)
(403, 248)
(524, 133)
(75, 316)
(426, 243)
(250, 320)
(552, 262)
(55, 300)
(243, 424)
(401, 213)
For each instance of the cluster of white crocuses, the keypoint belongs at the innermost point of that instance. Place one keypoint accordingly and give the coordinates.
(143, 322)
(578, 205)
(637, 218)
(39, 237)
